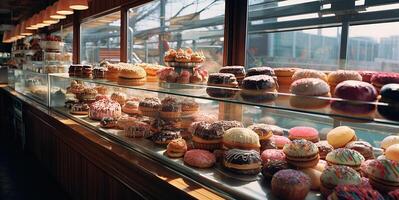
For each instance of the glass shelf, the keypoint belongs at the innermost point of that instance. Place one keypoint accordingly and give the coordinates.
(281, 100)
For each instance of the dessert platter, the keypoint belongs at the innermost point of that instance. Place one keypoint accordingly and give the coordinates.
(238, 158)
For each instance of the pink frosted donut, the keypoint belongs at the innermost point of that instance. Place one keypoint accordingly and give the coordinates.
(280, 141)
(304, 132)
(272, 154)
(199, 158)
(104, 108)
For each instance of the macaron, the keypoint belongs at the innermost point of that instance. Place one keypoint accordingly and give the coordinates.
(390, 140)
(340, 136)
(272, 154)
(301, 153)
(347, 157)
(383, 175)
(280, 141)
(392, 152)
(363, 148)
(304, 132)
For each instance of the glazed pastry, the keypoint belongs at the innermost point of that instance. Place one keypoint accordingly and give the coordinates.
(347, 157)
(239, 161)
(363, 148)
(119, 97)
(131, 107)
(336, 77)
(138, 130)
(259, 88)
(280, 141)
(314, 176)
(336, 175)
(324, 148)
(272, 154)
(350, 192)
(301, 153)
(108, 122)
(209, 136)
(284, 75)
(124, 122)
(222, 80)
(390, 140)
(189, 106)
(340, 136)
(308, 73)
(290, 184)
(381, 79)
(307, 90)
(390, 95)
(241, 138)
(272, 167)
(165, 136)
(238, 71)
(104, 108)
(392, 152)
(383, 175)
(150, 106)
(170, 108)
(80, 109)
(176, 148)
(199, 158)
(303, 132)
(266, 131)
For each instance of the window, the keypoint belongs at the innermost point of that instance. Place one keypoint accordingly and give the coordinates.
(374, 50)
(155, 27)
(100, 39)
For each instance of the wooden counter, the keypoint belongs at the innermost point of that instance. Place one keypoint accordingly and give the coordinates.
(87, 165)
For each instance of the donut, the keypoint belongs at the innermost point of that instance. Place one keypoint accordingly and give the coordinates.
(303, 132)
(108, 122)
(138, 129)
(222, 80)
(280, 141)
(104, 108)
(347, 192)
(170, 108)
(189, 106)
(308, 73)
(176, 148)
(336, 175)
(209, 136)
(272, 167)
(88, 95)
(266, 131)
(324, 148)
(241, 138)
(240, 161)
(272, 154)
(383, 175)
(199, 158)
(381, 79)
(165, 136)
(79, 109)
(259, 88)
(347, 157)
(284, 75)
(363, 148)
(389, 95)
(238, 71)
(150, 106)
(261, 71)
(306, 90)
(131, 107)
(356, 90)
(290, 184)
(366, 75)
(336, 77)
(301, 153)
(340, 136)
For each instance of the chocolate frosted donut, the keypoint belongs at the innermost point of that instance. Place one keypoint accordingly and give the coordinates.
(272, 167)
(222, 79)
(165, 136)
(390, 95)
(356, 90)
(238, 71)
(219, 127)
(242, 161)
(151, 102)
(209, 131)
(261, 71)
(259, 82)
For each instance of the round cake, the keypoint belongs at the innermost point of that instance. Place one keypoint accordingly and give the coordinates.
(104, 108)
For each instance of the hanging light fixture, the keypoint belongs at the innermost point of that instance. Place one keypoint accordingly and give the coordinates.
(63, 7)
(40, 20)
(53, 12)
(24, 31)
(79, 4)
(47, 18)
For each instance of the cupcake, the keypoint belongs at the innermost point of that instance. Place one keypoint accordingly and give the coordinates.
(290, 184)
(272, 167)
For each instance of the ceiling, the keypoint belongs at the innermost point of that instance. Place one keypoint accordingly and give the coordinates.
(12, 11)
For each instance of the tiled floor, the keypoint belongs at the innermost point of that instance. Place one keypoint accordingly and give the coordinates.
(22, 178)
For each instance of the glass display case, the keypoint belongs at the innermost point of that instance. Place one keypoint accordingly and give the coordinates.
(31, 84)
(277, 111)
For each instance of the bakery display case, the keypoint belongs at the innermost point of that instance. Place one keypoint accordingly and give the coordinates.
(147, 117)
(31, 84)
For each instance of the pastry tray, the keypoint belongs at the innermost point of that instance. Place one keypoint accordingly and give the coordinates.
(227, 184)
